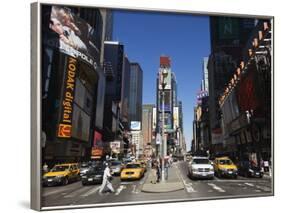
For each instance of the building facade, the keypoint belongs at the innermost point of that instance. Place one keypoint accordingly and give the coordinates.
(72, 82)
(135, 92)
(147, 128)
(228, 39)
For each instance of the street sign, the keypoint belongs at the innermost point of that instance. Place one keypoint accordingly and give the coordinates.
(158, 138)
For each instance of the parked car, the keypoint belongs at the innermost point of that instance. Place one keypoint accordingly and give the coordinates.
(132, 171)
(116, 167)
(200, 167)
(84, 167)
(61, 174)
(247, 169)
(94, 175)
(224, 167)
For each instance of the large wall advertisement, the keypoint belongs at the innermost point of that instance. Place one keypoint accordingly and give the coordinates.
(135, 125)
(73, 35)
(167, 79)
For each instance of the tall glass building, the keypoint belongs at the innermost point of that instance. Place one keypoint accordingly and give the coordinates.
(135, 97)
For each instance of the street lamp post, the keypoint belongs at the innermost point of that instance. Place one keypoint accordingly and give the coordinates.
(163, 135)
(164, 145)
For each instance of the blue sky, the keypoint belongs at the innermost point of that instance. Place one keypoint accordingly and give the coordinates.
(185, 38)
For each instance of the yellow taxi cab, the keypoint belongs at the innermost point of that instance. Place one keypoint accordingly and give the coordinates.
(224, 167)
(61, 174)
(132, 171)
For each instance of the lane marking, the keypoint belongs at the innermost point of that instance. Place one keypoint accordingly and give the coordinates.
(54, 192)
(188, 187)
(214, 186)
(92, 191)
(249, 184)
(235, 181)
(264, 188)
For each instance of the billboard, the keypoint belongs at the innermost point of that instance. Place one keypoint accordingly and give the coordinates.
(97, 139)
(168, 121)
(246, 93)
(167, 101)
(167, 79)
(115, 147)
(97, 152)
(154, 120)
(135, 125)
(68, 88)
(74, 36)
(176, 117)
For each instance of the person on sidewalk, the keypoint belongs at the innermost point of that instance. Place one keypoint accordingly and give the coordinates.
(106, 180)
(158, 169)
(154, 173)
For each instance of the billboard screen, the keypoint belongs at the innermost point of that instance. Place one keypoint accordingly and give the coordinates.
(135, 125)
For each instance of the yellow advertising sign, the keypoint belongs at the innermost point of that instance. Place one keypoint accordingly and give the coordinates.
(65, 122)
(64, 131)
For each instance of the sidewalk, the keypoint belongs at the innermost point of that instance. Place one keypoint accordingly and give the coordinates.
(173, 183)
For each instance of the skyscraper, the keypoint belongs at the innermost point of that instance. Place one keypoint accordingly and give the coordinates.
(170, 104)
(114, 59)
(135, 92)
(228, 39)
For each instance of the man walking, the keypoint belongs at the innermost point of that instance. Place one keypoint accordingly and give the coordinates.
(106, 180)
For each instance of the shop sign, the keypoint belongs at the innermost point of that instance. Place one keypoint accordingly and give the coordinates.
(65, 122)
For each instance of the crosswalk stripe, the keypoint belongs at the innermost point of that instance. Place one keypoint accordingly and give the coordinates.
(214, 186)
(92, 191)
(188, 187)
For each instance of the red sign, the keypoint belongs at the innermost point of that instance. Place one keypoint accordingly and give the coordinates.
(97, 151)
(246, 95)
(97, 139)
(64, 131)
(165, 61)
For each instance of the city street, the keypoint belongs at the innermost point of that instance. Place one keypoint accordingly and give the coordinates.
(131, 191)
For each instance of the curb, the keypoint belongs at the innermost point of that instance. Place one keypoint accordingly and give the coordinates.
(174, 190)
